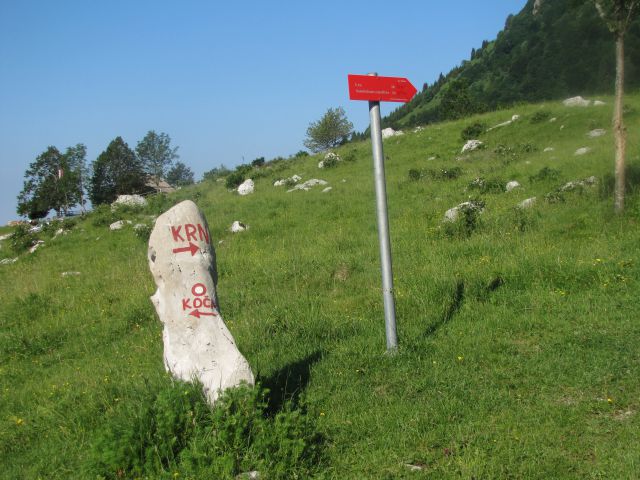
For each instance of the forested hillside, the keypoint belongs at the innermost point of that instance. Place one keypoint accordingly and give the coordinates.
(551, 49)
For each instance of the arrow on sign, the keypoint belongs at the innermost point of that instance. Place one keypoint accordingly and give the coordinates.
(193, 248)
(380, 89)
(198, 314)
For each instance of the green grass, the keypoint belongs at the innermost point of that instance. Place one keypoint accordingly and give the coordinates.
(518, 353)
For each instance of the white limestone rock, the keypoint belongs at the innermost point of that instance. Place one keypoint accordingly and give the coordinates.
(237, 227)
(390, 132)
(70, 274)
(8, 261)
(528, 203)
(6, 236)
(197, 343)
(471, 145)
(598, 103)
(308, 185)
(119, 225)
(598, 132)
(284, 181)
(452, 214)
(328, 189)
(582, 151)
(576, 102)
(36, 246)
(553, 119)
(511, 185)
(548, 149)
(128, 200)
(246, 188)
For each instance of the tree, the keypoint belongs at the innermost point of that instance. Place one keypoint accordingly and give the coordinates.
(116, 171)
(51, 183)
(156, 154)
(328, 132)
(180, 175)
(76, 158)
(618, 14)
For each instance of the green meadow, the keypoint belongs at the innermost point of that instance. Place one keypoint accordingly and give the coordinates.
(519, 332)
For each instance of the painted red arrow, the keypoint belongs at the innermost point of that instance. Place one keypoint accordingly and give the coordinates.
(380, 89)
(198, 314)
(193, 248)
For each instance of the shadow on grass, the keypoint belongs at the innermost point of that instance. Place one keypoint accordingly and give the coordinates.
(457, 298)
(286, 385)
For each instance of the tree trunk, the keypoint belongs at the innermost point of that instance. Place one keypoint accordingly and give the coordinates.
(618, 126)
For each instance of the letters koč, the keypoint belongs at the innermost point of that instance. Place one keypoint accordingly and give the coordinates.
(197, 343)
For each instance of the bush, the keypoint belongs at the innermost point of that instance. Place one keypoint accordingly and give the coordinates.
(234, 180)
(176, 432)
(468, 219)
(22, 238)
(258, 162)
(544, 174)
(473, 131)
(540, 116)
(491, 185)
(102, 215)
(414, 175)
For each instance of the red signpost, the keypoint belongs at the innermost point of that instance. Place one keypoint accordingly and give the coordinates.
(380, 89)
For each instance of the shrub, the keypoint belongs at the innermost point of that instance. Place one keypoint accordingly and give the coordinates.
(544, 174)
(492, 185)
(540, 116)
(473, 131)
(102, 215)
(330, 160)
(468, 219)
(443, 173)
(414, 175)
(234, 180)
(258, 162)
(176, 431)
(22, 238)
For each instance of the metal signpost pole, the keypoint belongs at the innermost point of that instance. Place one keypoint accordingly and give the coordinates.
(377, 89)
(383, 227)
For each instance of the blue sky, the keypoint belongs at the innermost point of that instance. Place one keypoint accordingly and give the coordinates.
(225, 80)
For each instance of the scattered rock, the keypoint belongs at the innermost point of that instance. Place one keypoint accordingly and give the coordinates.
(284, 181)
(6, 236)
(139, 226)
(511, 185)
(582, 151)
(8, 261)
(472, 145)
(528, 203)
(414, 468)
(552, 119)
(418, 129)
(587, 182)
(576, 102)
(561, 127)
(452, 214)
(536, 7)
(36, 229)
(237, 227)
(598, 103)
(548, 149)
(36, 246)
(390, 132)
(308, 185)
(328, 189)
(197, 343)
(128, 200)
(330, 160)
(598, 132)
(431, 158)
(247, 187)
(70, 274)
(119, 224)
(253, 475)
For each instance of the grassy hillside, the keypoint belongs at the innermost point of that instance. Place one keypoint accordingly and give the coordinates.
(518, 329)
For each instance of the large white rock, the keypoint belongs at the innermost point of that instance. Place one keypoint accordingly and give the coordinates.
(452, 214)
(576, 102)
(390, 132)
(582, 151)
(527, 203)
(237, 227)
(472, 145)
(247, 187)
(598, 103)
(197, 343)
(129, 200)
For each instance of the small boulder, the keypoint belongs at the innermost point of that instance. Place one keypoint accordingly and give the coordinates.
(452, 214)
(246, 188)
(528, 203)
(548, 149)
(36, 246)
(511, 185)
(582, 151)
(576, 102)
(119, 224)
(328, 189)
(308, 185)
(598, 103)
(70, 274)
(6, 236)
(553, 119)
(238, 227)
(8, 261)
(472, 145)
(598, 132)
(390, 132)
